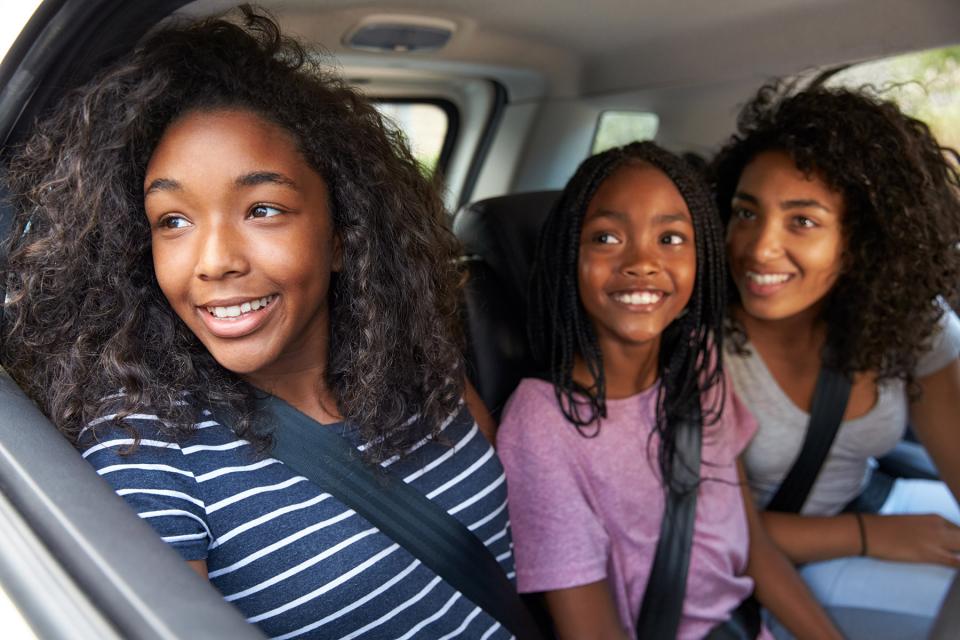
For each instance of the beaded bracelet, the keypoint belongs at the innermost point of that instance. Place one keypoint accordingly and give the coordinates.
(863, 534)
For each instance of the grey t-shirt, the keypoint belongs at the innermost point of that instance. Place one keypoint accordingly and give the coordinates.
(783, 426)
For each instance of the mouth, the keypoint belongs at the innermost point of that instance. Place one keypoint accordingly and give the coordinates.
(237, 317)
(239, 309)
(765, 284)
(644, 300)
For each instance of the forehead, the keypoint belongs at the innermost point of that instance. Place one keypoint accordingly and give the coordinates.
(773, 176)
(637, 190)
(231, 140)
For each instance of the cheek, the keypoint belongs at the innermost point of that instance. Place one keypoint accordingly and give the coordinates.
(172, 270)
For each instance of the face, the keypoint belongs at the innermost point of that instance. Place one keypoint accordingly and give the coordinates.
(243, 241)
(785, 239)
(638, 261)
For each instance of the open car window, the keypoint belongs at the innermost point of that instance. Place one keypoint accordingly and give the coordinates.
(924, 84)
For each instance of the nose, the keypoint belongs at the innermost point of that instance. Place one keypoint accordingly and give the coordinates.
(766, 243)
(639, 260)
(221, 252)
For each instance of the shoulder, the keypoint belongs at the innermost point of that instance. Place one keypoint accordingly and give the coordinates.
(125, 447)
(737, 424)
(944, 344)
(531, 412)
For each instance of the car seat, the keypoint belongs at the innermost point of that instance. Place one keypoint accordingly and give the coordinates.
(500, 240)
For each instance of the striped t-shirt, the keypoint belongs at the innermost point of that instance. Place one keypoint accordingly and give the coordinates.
(295, 560)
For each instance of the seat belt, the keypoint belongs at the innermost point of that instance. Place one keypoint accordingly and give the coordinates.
(830, 399)
(430, 534)
(666, 590)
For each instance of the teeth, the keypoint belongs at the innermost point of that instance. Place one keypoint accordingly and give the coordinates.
(768, 278)
(238, 310)
(639, 298)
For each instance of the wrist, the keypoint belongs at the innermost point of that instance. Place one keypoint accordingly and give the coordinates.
(862, 534)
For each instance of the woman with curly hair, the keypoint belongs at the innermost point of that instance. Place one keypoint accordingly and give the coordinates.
(215, 219)
(843, 223)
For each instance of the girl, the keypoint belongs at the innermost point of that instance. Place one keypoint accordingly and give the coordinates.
(625, 318)
(215, 219)
(842, 231)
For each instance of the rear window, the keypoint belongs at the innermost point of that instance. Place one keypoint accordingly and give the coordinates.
(616, 128)
(925, 84)
(428, 127)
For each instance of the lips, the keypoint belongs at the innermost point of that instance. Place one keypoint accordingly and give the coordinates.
(237, 317)
(643, 300)
(764, 284)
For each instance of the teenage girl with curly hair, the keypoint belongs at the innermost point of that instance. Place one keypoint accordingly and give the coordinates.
(216, 218)
(843, 223)
(626, 319)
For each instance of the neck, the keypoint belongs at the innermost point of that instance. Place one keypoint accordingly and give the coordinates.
(803, 334)
(306, 390)
(627, 370)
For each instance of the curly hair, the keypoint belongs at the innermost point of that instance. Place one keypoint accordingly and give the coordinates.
(901, 225)
(689, 362)
(85, 315)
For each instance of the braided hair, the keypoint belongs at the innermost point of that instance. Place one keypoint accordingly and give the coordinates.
(689, 362)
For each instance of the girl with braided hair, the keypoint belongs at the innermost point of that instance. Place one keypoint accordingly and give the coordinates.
(216, 220)
(843, 228)
(626, 310)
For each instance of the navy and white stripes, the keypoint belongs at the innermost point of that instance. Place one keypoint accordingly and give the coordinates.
(292, 558)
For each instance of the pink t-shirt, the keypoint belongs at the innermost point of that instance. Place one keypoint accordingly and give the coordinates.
(585, 509)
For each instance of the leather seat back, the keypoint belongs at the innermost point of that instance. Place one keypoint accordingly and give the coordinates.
(500, 236)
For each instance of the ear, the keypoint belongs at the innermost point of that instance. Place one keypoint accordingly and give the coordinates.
(336, 265)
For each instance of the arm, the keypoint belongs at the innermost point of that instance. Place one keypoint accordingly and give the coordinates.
(778, 585)
(485, 422)
(587, 612)
(936, 417)
(906, 538)
(200, 566)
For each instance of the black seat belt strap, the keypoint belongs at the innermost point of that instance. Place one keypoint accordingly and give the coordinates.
(430, 534)
(662, 605)
(826, 412)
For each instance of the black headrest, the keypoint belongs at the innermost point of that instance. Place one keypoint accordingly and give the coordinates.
(503, 232)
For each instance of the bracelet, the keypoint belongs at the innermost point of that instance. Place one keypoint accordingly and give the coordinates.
(863, 533)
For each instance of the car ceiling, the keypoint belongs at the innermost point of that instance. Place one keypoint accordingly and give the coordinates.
(609, 46)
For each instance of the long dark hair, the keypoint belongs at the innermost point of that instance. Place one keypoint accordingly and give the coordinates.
(85, 316)
(689, 362)
(901, 225)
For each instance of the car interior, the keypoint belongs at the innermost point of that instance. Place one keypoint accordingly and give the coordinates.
(523, 91)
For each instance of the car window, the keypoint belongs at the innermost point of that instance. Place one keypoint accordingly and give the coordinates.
(925, 84)
(616, 128)
(15, 16)
(12, 621)
(427, 127)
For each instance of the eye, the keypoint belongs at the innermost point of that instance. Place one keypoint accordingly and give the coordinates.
(173, 221)
(264, 211)
(805, 222)
(606, 238)
(673, 238)
(739, 213)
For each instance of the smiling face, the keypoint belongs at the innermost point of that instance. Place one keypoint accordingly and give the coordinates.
(785, 240)
(243, 241)
(637, 263)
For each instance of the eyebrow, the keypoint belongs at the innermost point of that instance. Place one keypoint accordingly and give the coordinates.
(162, 184)
(247, 180)
(801, 203)
(663, 218)
(264, 177)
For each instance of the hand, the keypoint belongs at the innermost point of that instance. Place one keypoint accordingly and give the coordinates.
(913, 538)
